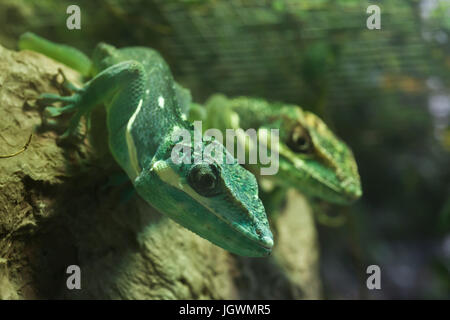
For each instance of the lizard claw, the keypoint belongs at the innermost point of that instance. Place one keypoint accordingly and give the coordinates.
(65, 85)
(51, 98)
(70, 104)
(52, 112)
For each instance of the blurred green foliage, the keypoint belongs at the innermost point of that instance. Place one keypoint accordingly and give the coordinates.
(385, 92)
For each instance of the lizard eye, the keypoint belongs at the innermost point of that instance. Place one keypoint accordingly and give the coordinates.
(300, 141)
(204, 179)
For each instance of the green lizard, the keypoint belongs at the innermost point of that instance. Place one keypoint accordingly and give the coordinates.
(218, 201)
(311, 158)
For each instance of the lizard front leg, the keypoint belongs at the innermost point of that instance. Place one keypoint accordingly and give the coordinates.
(119, 78)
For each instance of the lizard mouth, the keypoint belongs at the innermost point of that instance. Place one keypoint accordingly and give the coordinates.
(260, 240)
(353, 192)
(267, 242)
(264, 241)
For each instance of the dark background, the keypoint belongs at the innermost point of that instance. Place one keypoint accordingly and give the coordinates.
(385, 92)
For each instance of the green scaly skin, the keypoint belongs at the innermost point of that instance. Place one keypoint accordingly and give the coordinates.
(312, 159)
(218, 201)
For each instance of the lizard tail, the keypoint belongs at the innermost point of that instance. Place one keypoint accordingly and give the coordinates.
(67, 55)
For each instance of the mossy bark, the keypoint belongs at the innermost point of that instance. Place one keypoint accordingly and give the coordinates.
(56, 210)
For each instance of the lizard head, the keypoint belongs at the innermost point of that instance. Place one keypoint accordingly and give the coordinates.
(314, 159)
(217, 200)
